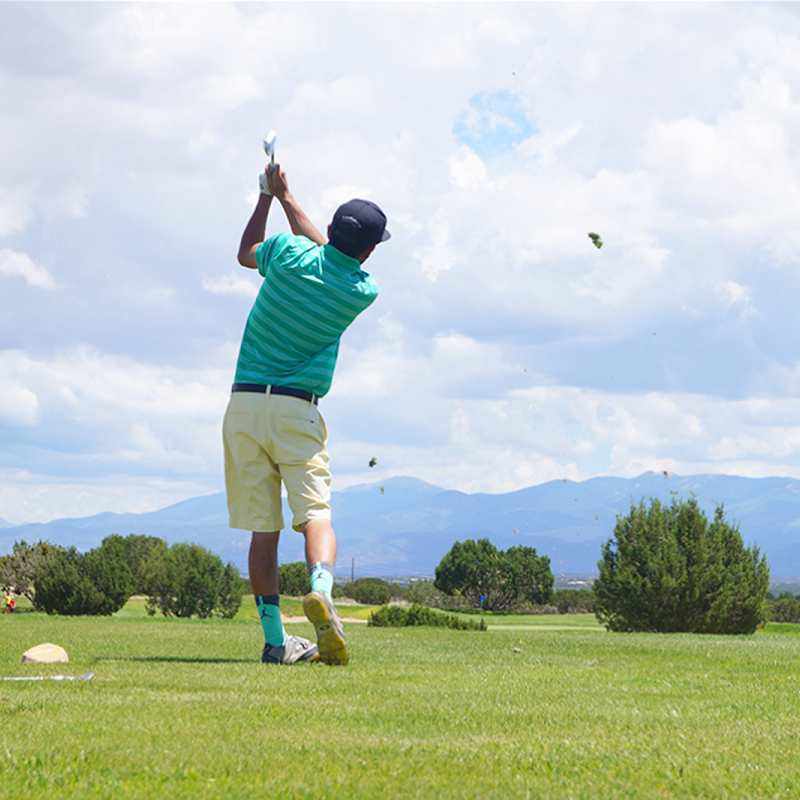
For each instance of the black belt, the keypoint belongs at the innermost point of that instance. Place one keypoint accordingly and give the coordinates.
(267, 389)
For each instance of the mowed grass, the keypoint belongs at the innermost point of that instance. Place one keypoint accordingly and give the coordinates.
(184, 709)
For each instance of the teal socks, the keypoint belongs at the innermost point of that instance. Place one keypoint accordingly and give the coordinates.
(269, 610)
(322, 577)
(269, 606)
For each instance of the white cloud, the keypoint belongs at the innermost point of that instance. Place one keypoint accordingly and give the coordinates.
(111, 413)
(440, 254)
(231, 284)
(41, 497)
(14, 211)
(21, 265)
(144, 446)
(467, 170)
(734, 294)
(18, 404)
(119, 384)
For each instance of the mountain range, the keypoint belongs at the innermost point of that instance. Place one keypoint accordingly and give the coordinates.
(403, 526)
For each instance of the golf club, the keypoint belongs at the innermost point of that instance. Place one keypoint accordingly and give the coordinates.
(87, 677)
(269, 149)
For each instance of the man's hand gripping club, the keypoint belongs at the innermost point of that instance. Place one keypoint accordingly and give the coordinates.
(273, 183)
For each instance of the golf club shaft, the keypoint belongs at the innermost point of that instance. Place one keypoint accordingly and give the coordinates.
(86, 677)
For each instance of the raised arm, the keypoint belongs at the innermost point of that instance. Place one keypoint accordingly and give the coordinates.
(300, 224)
(254, 232)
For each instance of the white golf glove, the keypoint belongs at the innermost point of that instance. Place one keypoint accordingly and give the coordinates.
(262, 181)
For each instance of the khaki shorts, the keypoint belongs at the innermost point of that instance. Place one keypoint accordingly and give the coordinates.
(269, 439)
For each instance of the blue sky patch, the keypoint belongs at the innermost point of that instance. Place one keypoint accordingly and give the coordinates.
(493, 123)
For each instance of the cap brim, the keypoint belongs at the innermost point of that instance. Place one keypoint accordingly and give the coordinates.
(386, 236)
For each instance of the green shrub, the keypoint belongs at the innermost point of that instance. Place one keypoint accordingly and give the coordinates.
(188, 580)
(18, 568)
(398, 592)
(574, 601)
(107, 568)
(400, 617)
(135, 549)
(183, 580)
(667, 570)
(231, 589)
(425, 593)
(294, 579)
(95, 583)
(785, 609)
(369, 591)
(199, 573)
(61, 587)
(493, 579)
(389, 617)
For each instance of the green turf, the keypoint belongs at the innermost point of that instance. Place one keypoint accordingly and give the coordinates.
(552, 622)
(183, 709)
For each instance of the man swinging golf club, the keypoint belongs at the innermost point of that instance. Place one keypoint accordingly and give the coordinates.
(273, 432)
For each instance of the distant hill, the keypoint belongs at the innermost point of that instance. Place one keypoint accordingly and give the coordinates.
(403, 526)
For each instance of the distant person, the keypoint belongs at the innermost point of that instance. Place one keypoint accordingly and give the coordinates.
(273, 432)
(11, 603)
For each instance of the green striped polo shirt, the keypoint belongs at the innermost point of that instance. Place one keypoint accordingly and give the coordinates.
(310, 295)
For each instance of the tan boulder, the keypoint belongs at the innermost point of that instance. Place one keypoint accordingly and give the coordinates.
(45, 654)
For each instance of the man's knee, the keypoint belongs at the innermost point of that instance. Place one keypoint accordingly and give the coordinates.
(315, 528)
(265, 540)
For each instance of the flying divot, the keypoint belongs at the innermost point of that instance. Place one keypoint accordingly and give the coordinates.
(373, 461)
(595, 237)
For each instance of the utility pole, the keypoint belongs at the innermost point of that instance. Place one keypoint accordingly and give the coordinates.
(353, 571)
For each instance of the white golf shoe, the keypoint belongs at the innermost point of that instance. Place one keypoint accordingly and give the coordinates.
(294, 650)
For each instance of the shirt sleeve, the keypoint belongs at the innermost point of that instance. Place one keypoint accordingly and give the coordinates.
(285, 249)
(266, 252)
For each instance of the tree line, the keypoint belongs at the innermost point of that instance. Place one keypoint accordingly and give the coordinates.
(181, 580)
(665, 569)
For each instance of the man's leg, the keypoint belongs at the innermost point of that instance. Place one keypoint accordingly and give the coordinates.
(253, 486)
(320, 553)
(264, 576)
(318, 604)
(263, 564)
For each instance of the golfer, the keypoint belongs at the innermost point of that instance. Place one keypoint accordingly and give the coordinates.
(273, 431)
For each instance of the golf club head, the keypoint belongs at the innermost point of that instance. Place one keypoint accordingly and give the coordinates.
(269, 148)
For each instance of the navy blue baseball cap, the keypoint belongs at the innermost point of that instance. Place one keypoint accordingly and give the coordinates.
(357, 226)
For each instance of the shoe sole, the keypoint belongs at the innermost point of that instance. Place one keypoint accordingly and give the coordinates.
(331, 644)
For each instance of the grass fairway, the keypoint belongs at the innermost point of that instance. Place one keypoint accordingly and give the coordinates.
(185, 710)
(543, 622)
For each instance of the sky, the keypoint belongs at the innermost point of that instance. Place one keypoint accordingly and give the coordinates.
(505, 349)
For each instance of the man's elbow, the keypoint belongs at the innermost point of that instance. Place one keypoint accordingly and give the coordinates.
(247, 258)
